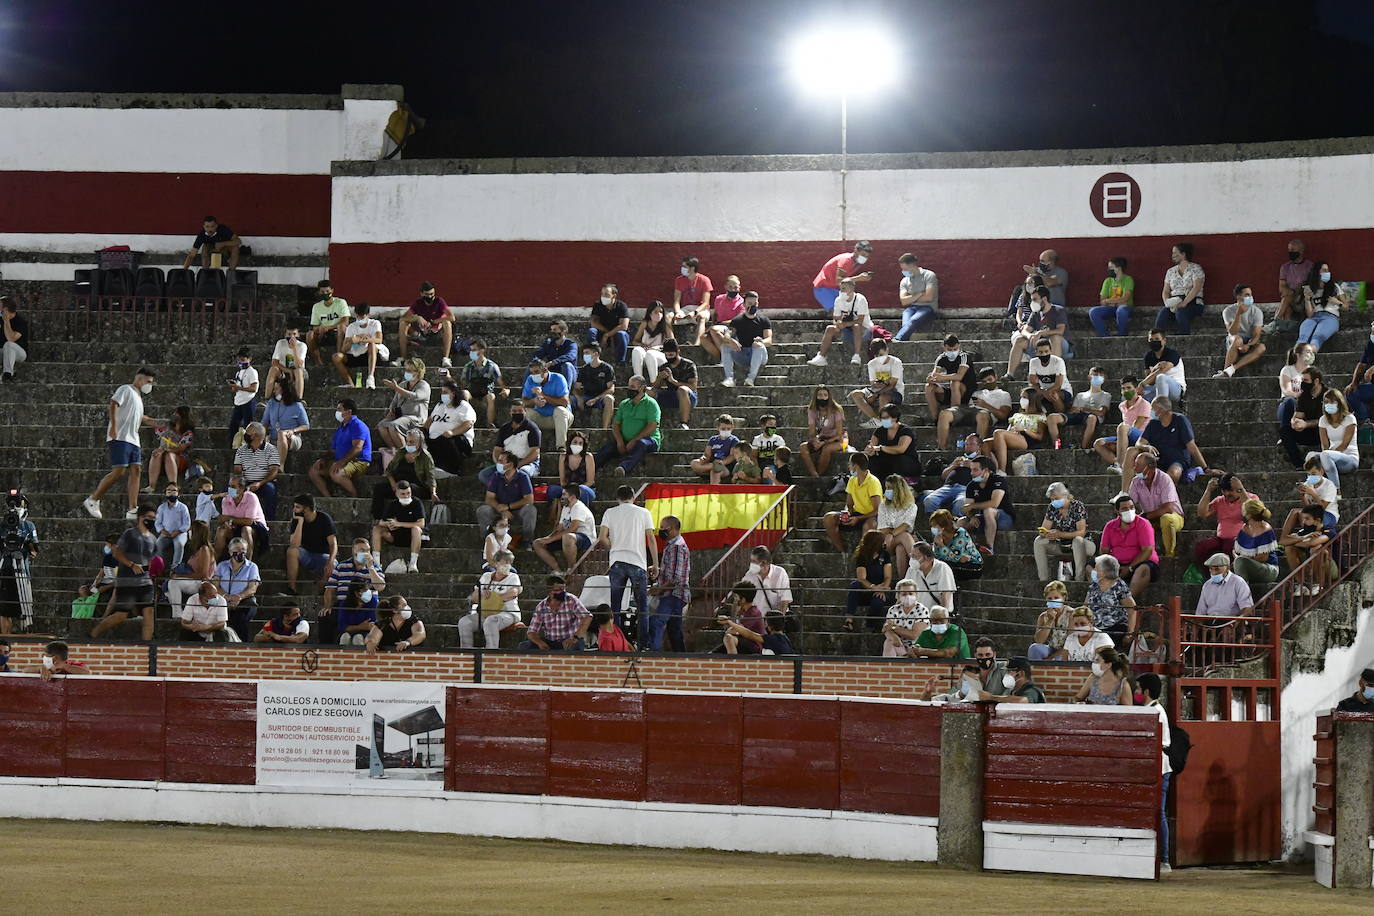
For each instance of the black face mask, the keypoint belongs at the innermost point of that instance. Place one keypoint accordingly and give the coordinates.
(985, 663)
(517, 418)
(1294, 255)
(664, 533)
(1307, 387)
(150, 524)
(1156, 345)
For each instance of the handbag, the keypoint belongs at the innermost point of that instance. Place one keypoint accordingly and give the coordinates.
(438, 514)
(84, 605)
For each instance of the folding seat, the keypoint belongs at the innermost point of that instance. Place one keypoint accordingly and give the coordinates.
(181, 283)
(210, 283)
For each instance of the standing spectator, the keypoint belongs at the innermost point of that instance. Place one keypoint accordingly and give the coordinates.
(884, 387)
(987, 503)
(610, 323)
(1114, 300)
(495, 603)
(134, 595)
(729, 305)
(426, 317)
(173, 522)
(991, 405)
(1227, 508)
(350, 455)
(595, 388)
(362, 346)
(545, 396)
(691, 292)
(1293, 274)
(214, 238)
(718, 450)
(239, 580)
(746, 343)
(628, 532)
(449, 428)
(906, 619)
(1135, 416)
(1302, 433)
(173, 452)
(290, 626)
(646, 353)
(258, 462)
(897, 521)
(1182, 294)
(850, 321)
(398, 630)
(1256, 546)
(863, 492)
(402, 521)
(329, 315)
(1110, 683)
(892, 447)
(121, 439)
(1027, 429)
(941, 639)
(413, 465)
(950, 382)
(1084, 639)
(1164, 372)
(205, 616)
(919, 294)
(1224, 594)
(676, 384)
(357, 569)
(744, 469)
(1053, 276)
(934, 579)
(510, 497)
(1111, 601)
(1322, 302)
(18, 550)
(244, 384)
(772, 585)
(357, 614)
(205, 501)
(14, 345)
(409, 408)
(635, 432)
(559, 622)
(1053, 624)
(521, 439)
(1156, 497)
(1049, 375)
(671, 588)
(825, 432)
(288, 362)
(1244, 326)
(1171, 435)
(572, 532)
(954, 546)
(559, 352)
(871, 589)
(285, 419)
(1089, 410)
(1340, 446)
(576, 470)
(1131, 539)
(314, 544)
(1151, 686)
(826, 285)
(1360, 391)
(1066, 527)
(483, 380)
(241, 517)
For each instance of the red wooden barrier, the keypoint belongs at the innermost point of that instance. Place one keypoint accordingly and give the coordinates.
(211, 734)
(1324, 780)
(32, 727)
(596, 744)
(791, 752)
(890, 758)
(497, 741)
(115, 728)
(692, 752)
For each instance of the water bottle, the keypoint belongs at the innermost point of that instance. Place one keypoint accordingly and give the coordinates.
(358, 379)
(1065, 571)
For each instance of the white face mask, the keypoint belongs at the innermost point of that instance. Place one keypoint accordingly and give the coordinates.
(1081, 630)
(360, 558)
(447, 399)
(366, 596)
(410, 376)
(1025, 403)
(1008, 681)
(146, 388)
(405, 613)
(502, 531)
(606, 300)
(683, 271)
(861, 258)
(47, 661)
(1099, 669)
(405, 500)
(575, 449)
(338, 416)
(907, 600)
(503, 568)
(970, 687)
(1128, 517)
(939, 628)
(754, 568)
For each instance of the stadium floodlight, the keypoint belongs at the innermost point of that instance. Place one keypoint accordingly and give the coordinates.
(840, 62)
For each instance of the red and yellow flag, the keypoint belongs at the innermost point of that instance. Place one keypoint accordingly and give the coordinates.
(715, 515)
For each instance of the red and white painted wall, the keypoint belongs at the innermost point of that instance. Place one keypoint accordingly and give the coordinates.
(80, 171)
(549, 232)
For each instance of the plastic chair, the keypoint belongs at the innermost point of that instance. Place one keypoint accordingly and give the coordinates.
(210, 283)
(181, 283)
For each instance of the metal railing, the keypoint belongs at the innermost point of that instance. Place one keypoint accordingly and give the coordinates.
(776, 522)
(88, 318)
(1332, 563)
(1208, 644)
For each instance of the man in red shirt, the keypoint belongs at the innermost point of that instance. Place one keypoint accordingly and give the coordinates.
(826, 286)
(55, 661)
(428, 316)
(691, 292)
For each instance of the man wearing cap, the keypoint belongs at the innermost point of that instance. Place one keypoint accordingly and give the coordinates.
(826, 285)
(1021, 689)
(1224, 594)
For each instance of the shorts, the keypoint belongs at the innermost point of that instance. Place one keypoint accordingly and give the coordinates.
(1004, 519)
(1183, 460)
(1132, 436)
(594, 400)
(583, 542)
(124, 455)
(323, 335)
(964, 414)
(134, 598)
(312, 561)
(356, 360)
(854, 524)
(1077, 418)
(294, 440)
(355, 468)
(894, 397)
(402, 425)
(1154, 569)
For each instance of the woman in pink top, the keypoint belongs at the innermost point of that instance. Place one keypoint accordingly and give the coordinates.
(1131, 539)
(728, 306)
(1228, 508)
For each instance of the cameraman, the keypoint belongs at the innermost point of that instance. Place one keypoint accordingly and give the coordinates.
(18, 548)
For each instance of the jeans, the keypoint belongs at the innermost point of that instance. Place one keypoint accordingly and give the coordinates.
(950, 496)
(861, 599)
(529, 646)
(1102, 314)
(668, 614)
(616, 346)
(13, 356)
(1183, 317)
(585, 493)
(755, 357)
(1318, 329)
(1334, 462)
(847, 338)
(638, 578)
(488, 473)
(640, 448)
(914, 317)
(242, 415)
(526, 517)
(1360, 400)
(267, 496)
(567, 370)
(1164, 386)
(1289, 406)
(1164, 819)
(178, 544)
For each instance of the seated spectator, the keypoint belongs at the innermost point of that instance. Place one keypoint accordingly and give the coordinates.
(1027, 429)
(244, 386)
(966, 692)
(498, 539)
(314, 544)
(576, 472)
(546, 401)
(950, 382)
(773, 587)
(691, 292)
(1305, 534)
(241, 518)
(398, 630)
(518, 438)
(941, 639)
(1182, 295)
(826, 285)
(745, 342)
(646, 354)
(1301, 434)
(609, 637)
(1114, 300)
(871, 588)
(290, 626)
(954, 479)
(905, 621)
(284, 419)
(862, 495)
(572, 533)
(1131, 539)
(215, 239)
(1362, 700)
(989, 405)
(205, 616)
(1256, 546)
(919, 295)
(610, 324)
(350, 454)
(850, 321)
(1226, 507)
(510, 496)
(1171, 435)
(1135, 416)
(197, 566)
(892, 447)
(1017, 681)
(675, 385)
(1323, 302)
(1164, 372)
(1340, 444)
(449, 428)
(954, 546)
(1156, 497)
(401, 523)
(780, 471)
(1317, 490)
(362, 346)
(743, 466)
(173, 452)
(1088, 410)
(896, 521)
(728, 306)
(239, 579)
(990, 671)
(1110, 682)
(495, 603)
(1052, 275)
(934, 579)
(773, 641)
(884, 387)
(766, 443)
(358, 568)
(329, 316)
(259, 463)
(1360, 391)
(1063, 534)
(482, 377)
(635, 430)
(1224, 594)
(427, 318)
(1049, 375)
(595, 387)
(1046, 321)
(718, 451)
(56, 660)
(413, 465)
(559, 623)
(173, 522)
(746, 616)
(1244, 326)
(409, 407)
(357, 615)
(1293, 274)
(1111, 601)
(1083, 640)
(559, 352)
(987, 503)
(1054, 623)
(14, 344)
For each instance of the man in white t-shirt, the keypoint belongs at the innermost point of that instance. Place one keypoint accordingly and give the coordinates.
(628, 530)
(362, 346)
(288, 361)
(205, 616)
(572, 533)
(1244, 323)
(244, 385)
(1049, 375)
(934, 579)
(121, 439)
(988, 406)
(885, 385)
(773, 587)
(450, 427)
(850, 321)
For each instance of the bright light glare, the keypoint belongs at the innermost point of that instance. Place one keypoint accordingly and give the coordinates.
(844, 61)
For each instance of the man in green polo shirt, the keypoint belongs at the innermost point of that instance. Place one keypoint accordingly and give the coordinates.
(634, 430)
(941, 639)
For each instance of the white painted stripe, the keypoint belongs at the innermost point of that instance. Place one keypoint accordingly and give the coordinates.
(285, 276)
(294, 245)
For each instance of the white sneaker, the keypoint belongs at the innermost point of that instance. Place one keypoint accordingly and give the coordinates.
(92, 507)
(1165, 868)
(413, 566)
(750, 382)
(395, 363)
(871, 423)
(1300, 589)
(1314, 590)
(132, 514)
(370, 383)
(1113, 468)
(856, 359)
(728, 383)
(446, 363)
(816, 360)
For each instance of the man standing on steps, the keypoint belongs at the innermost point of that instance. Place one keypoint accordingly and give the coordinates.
(628, 531)
(826, 285)
(671, 587)
(126, 457)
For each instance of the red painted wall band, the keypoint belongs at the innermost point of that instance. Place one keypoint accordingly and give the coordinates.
(148, 203)
(974, 273)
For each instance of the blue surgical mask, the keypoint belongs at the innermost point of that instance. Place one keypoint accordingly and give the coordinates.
(1247, 301)
(1140, 476)
(887, 422)
(1094, 575)
(1313, 480)
(939, 628)
(907, 274)
(1330, 408)
(1154, 415)
(979, 479)
(1369, 692)
(366, 596)
(1096, 381)
(1218, 578)
(888, 494)
(410, 376)
(1054, 605)
(232, 493)
(587, 358)
(412, 448)
(1325, 276)
(1058, 503)
(500, 467)
(935, 532)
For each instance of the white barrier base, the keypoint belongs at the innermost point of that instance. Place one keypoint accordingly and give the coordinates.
(1098, 851)
(847, 834)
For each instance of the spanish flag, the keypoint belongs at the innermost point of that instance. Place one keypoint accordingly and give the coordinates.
(716, 515)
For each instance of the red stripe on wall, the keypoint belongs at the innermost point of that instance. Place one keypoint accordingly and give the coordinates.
(974, 273)
(148, 203)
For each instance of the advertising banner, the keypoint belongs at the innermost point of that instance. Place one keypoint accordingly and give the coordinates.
(325, 733)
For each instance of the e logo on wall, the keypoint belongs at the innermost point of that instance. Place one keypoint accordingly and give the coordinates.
(1115, 199)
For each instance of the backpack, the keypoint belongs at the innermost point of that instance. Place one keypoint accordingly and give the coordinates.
(879, 333)
(1177, 751)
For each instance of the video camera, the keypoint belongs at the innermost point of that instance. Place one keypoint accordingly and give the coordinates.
(16, 510)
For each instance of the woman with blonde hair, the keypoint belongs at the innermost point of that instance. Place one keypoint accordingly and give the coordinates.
(896, 519)
(409, 407)
(1052, 626)
(955, 546)
(1256, 549)
(1084, 638)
